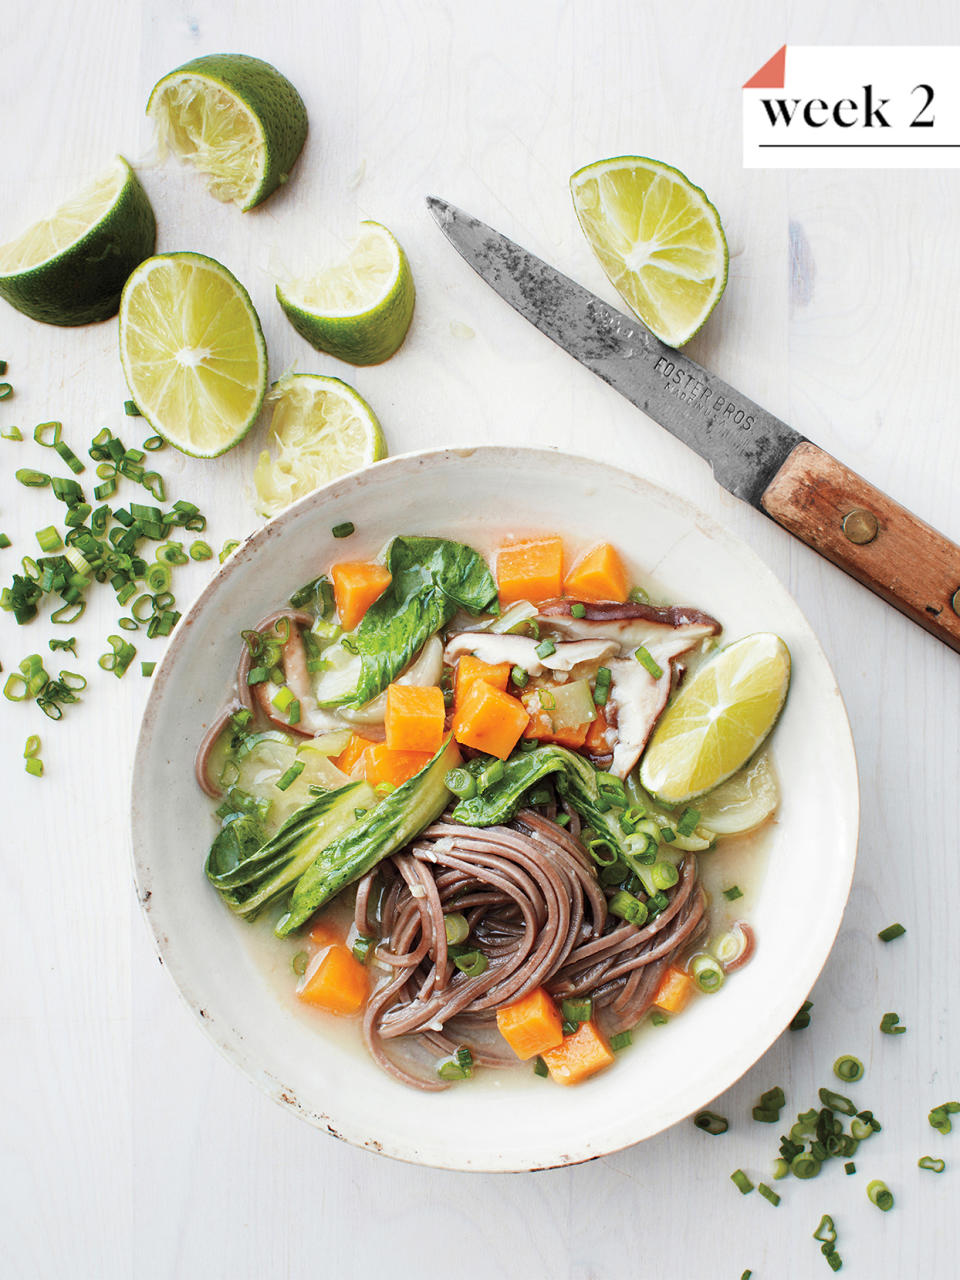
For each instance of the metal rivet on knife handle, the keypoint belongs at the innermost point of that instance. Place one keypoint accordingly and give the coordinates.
(955, 602)
(860, 526)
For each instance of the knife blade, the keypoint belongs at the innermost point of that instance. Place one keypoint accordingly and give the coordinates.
(753, 454)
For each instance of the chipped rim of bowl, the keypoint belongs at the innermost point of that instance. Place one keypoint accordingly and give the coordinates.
(230, 1042)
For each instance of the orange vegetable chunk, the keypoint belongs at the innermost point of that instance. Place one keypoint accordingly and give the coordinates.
(531, 570)
(356, 584)
(596, 741)
(414, 720)
(598, 575)
(382, 764)
(489, 720)
(580, 1055)
(335, 980)
(675, 989)
(531, 1025)
(350, 756)
(470, 668)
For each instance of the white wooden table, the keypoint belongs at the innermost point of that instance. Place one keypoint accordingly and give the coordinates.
(130, 1149)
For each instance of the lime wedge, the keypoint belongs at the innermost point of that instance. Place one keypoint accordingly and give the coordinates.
(70, 268)
(234, 118)
(321, 429)
(360, 309)
(717, 720)
(743, 801)
(193, 352)
(658, 238)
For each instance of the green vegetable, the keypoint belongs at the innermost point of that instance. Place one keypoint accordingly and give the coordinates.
(890, 932)
(879, 1193)
(939, 1117)
(710, 1122)
(368, 840)
(889, 1025)
(741, 1182)
(848, 1068)
(431, 578)
(931, 1163)
(249, 871)
(801, 1019)
(768, 1193)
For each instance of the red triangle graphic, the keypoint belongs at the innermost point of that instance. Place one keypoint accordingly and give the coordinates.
(771, 74)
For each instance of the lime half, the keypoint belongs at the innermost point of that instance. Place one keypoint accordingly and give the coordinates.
(321, 429)
(234, 118)
(193, 352)
(718, 719)
(658, 238)
(70, 268)
(360, 309)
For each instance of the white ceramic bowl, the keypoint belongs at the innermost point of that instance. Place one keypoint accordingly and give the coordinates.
(474, 495)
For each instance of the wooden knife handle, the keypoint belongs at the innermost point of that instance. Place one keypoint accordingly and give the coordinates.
(871, 537)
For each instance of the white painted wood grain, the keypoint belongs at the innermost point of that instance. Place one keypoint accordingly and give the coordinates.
(130, 1148)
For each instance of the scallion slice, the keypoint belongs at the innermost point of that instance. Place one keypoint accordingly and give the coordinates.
(456, 928)
(768, 1193)
(890, 1025)
(343, 530)
(578, 610)
(471, 963)
(879, 1193)
(741, 1182)
(290, 776)
(848, 1068)
(147, 668)
(130, 409)
(648, 662)
(706, 973)
(711, 1122)
(32, 479)
(34, 767)
(48, 433)
(801, 1019)
(601, 688)
(687, 822)
(200, 550)
(545, 649)
(622, 1040)
(890, 932)
(733, 893)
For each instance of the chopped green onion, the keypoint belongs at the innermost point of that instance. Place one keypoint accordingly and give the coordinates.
(491, 774)
(741, 1182)
(32, 479)
(4, 540)
(69, 645)
(461, 782)
(152, 481)
(647, 660)
(601, 688)
(32, 747)
(826, 1232)
(889, 1025)
(6, 390)
(801, 1019)
(805, 1165)
(11, 433)
(637, 595)
(687, 822)
(574, 1012)
(622, 1040)
(282, 698)
(48, 433)
(300, 961)
(939, 1117)
(545, 648)
(459, 1066)
(733, 893)
(153, 443)
(171, 553)
(547, 700)
(540, 1068)
(158, 576)
(119, 660)
(664, 875)
(105, 490)
(710, 1122)
(780, 1168)
(362, 945)
(849, 1167)
(707, 974)
(49, 539)
(932, 1163)
(837, 1102)
(69, 457)
(290, 776)
(848, 1068)
(578, 610)
(628, 907)
(3, 367)
(456, 928)
(34, 767)
(768, 1194)
(130, 409)
(519, 677)
(879, 1193)
(200, 550)
(471, 963)
(343, 530)
(890, 932)
(147, 668)
(658, 1019)
(228, 549)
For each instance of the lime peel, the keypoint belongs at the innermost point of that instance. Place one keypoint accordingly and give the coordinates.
(359, 309)
(321, 429)
(658, 239)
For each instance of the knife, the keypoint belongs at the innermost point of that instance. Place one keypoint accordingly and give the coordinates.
(753, 454)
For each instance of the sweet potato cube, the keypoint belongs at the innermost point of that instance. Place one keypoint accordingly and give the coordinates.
(356, 584)
(470, 668)
(531, 1025)
(335, 980)
(414, 719)
(383, 765)
(530, 570)
(675, 989)
(351, 755)
(489, 720)
(598, 575)
(581, 1054)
